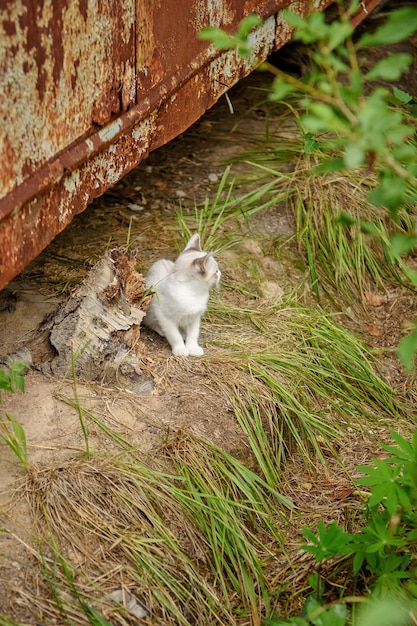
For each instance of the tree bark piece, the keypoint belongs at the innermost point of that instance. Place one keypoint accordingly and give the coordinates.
(96, 330)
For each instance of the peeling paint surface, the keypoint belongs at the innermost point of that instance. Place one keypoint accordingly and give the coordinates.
(64, 66)
(89, 87)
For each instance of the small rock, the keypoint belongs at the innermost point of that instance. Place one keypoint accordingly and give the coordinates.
(271, 290)
(135, 207)
(213, 178)
(129, 601)
(180, 193)
(22, 355)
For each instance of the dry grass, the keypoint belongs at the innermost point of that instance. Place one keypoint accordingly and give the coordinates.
(192, 545)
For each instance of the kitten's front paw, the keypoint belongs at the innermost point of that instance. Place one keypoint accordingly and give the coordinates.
(195, 350)
(180, 351)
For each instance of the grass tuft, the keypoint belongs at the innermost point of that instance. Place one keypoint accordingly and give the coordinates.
(343, 262)
(218, 220)
(193, 539)
(299, 379)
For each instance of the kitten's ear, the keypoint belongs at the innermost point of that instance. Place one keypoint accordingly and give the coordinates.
(194, 243)
(200, 263)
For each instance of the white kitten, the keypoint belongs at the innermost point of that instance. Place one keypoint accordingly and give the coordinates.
(181, 295)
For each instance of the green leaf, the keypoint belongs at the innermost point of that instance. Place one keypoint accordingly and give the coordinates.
(358, 560)
(19, 383)
(410, 274)
(280, 89)
(19, 432)
(405, 451)
(407, 350)
(336, 615)
(390, 193)
(353, 7)
(354, 156)
(321, 118)
(346, 220)
(310, 29)
(338, 33)
(354, 89)
(5, 382)
(331, 165)
(390, 68)
(369, 228)
(401, 244)
(293, 19)
(247, 24)
(399, 26)
(217, 36)
(311, 605)
(328, 542)
(405, 153)
(402, 96)
(310, 144)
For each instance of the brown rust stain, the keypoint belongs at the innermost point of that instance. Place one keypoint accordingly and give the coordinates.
(25, 232)
(108, 104)
(42, 23)
(65, 66)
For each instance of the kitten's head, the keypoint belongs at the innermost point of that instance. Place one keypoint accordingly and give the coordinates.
(193, 262)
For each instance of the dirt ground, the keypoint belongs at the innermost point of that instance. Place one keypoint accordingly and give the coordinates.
(175, 394)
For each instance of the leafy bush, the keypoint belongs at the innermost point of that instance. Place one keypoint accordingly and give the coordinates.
(382, 555)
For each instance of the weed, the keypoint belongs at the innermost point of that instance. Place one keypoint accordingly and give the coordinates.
(13, 435)
(77, 404)
(382, 553)
(292, 371)
(11, 432)
(12, 379)
(210, 219)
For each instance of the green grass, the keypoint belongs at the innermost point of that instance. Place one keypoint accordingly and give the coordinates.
(345, 261)
(342, 262)
(218, 220)
(299, 379)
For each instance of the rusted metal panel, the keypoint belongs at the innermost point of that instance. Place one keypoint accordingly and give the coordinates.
(365, 8)
(65, 67)
(89, 87)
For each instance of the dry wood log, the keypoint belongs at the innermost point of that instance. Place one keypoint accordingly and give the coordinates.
(97, 328)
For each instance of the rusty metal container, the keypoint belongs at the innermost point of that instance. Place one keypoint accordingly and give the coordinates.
(89, 87)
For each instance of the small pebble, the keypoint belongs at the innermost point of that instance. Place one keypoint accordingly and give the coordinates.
(180, 193)
(213, 178)
(135, 207)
